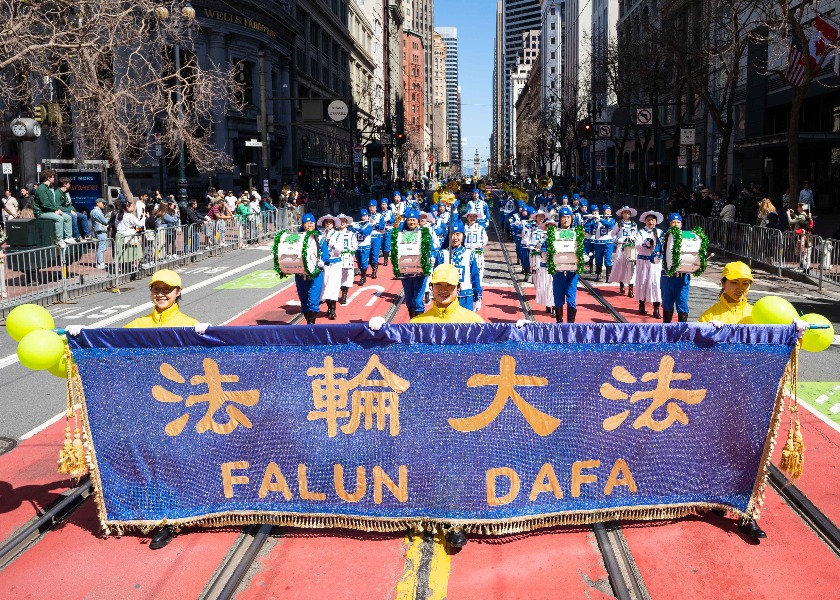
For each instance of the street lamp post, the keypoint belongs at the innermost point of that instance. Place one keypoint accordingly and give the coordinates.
(188, 12)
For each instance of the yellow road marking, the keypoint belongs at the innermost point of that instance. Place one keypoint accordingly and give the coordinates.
(407, 585)
(438, 569)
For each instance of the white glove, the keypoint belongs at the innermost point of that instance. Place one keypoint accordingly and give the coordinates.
(478, 305)
(73, 330)
(716, 324)
(521, 323)
(201, 328)
(376, 323)
(801, 327)
(320, 264)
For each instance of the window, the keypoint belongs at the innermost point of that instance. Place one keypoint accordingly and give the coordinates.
(553, 55)
(553, 26)
(553, 41)
(553, 70)
(314, 35)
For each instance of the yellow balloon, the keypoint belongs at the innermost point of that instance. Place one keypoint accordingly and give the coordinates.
(817, 340)
(773, 310)
(27, 318)
(40, 349)
(59, 369)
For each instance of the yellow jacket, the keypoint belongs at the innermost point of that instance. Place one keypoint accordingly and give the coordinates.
(728, 313)
(171, 317)
(454, 313)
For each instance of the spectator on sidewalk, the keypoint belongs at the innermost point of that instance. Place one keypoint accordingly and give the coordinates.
(47, 206)
(81, 223)
(717, 205)
(10, 208)
(802, 224)
(100, 231)
(191, 218)
(768, 215)
(727, 213)
(806, 195)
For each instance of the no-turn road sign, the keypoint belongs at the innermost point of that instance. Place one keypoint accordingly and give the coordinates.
(644, 116)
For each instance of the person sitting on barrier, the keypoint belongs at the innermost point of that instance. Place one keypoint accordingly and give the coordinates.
(166, 288)
(47, 206)
(675, 288)
(81, 223)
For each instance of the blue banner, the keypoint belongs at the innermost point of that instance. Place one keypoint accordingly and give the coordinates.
(486, 426)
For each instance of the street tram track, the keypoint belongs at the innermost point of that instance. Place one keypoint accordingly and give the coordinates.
(624, 575)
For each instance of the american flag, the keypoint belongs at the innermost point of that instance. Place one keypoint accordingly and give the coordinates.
(796, 66)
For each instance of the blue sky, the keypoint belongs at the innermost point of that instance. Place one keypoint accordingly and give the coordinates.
(476, 23)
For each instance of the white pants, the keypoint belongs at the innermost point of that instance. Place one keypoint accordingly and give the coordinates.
(647, 281)
(347, 277)
(332, 282)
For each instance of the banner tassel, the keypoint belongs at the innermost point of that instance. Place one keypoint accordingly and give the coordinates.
(793, 454)
(71, 458)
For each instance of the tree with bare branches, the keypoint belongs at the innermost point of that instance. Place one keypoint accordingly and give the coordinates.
(119, 71)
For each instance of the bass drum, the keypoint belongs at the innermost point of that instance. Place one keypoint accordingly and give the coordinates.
(290, 252)
(408, 252)
(689, 252)
(565, 250)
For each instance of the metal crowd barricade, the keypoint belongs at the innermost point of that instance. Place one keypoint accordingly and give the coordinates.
(829, 261)
(29, 275)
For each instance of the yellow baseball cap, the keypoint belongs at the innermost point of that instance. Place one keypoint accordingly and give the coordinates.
(737, 270)
(446, 273)
(167, 276)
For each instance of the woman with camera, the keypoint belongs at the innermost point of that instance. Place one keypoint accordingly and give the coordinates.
(802, 224)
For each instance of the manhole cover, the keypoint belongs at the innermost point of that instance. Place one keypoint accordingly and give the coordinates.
(7, 444)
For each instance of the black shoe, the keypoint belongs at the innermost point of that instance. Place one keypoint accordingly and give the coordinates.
(331, 310)
(161, 537)
(558, 314)
(374, 270)
(456, 539)
(343, 298)
(548, 309)
(667, 315)
(571, 313)
(751, 529)
(642, 307)
(621, 288)
(609, 270)
(656, 314)
(363, 278)
(682, 317)
(630, 291)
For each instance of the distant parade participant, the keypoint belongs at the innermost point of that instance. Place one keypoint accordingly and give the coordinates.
(564, 283)
(398, 206)
(475, 237)
(309, 289)
(675, 287)
(515, 221)
(580, 213)
(446, 307)
(332, 263)
(603, 242)
(377, 221)
(345, 242)
(469, 295)
(388, 220)
(441, 224)
(508, 209)
(590, 226)
(648, 266)
(543, 284)
(575, 204)
(480, 207)
(624, 233)
(414, 286)
(364, 232)
(521, 232)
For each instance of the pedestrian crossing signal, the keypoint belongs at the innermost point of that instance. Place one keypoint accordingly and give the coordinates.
(39, 113)
(587, 129)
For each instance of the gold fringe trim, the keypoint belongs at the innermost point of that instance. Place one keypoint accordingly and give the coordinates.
(71, 458)
(793, 454)
(434, 526)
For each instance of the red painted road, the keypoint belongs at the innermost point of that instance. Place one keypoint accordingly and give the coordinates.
(29, 479)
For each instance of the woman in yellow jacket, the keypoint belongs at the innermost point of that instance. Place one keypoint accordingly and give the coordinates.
(445, 306)
(732, 308)
(165, 288)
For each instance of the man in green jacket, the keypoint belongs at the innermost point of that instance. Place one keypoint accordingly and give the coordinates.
(47, 206)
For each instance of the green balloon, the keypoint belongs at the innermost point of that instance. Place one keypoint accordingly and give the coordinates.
(773, 310)
(817, 340)
(59, 369)
(27, 318)
(40, 349)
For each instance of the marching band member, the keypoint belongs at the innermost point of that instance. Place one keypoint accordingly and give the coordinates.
(414, 286)
(543, 284)
(575, 202)
(508, 209)
(521, 234)
(345, 242)
(515, 223)
(364, 231)
(624, 233)
(309, 289)
(564, 283)
(332, 263)
(579, 215)
(441, 224)
(479, 205)
(475, 237)
(398, 206)
(469, 295)
(377, 221)
(604, 242)
(648, 266)
(590, 226)
(388, 220)
(675, 287)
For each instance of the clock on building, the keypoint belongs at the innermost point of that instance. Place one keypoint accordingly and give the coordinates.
(25, 129)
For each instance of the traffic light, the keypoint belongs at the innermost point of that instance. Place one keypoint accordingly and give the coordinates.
(400, 139)
(587, 129)
(39, 113)
(54, 113)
